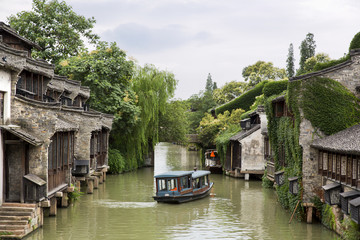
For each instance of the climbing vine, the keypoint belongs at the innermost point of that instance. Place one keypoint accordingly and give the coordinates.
(284, 133)
(329, 105)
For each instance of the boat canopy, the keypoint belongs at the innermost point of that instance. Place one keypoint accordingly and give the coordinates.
(200, 173)
(174, 174)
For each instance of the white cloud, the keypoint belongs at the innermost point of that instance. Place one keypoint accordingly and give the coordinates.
(192, 38)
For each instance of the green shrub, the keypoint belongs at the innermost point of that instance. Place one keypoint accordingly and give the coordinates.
(244, 101)
(355, 42)
(274, 88)
(266, 183)
(116, 161)
(351, 230)
(73, 196)
(328, 217)
(321, 66)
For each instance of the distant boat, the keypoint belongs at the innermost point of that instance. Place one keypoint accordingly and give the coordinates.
(212, 161)
(182, 186)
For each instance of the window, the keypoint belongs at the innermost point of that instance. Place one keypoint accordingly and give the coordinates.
(161, 185)
(61, 151)
(206, 181)
(185, 182)
(196, 183)
(31, 85)
(344, 168)
(171, 184)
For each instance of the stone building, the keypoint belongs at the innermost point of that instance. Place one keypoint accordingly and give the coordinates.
(245, 153)
(49, 138)
(314, 150)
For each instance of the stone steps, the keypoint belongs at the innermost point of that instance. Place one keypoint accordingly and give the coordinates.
(13, 234)
(15, 213)
(15, 220)
(29, 205)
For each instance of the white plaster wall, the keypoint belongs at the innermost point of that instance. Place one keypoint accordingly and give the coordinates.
(1, 168)
(5, 86)
(263, 122)
(252, 152)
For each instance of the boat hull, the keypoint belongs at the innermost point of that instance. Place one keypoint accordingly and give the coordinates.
(184, 198)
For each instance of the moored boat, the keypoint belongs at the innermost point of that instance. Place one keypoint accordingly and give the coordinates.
(182, 186)
(212, 161)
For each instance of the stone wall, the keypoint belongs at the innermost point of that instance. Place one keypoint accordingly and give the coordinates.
(42, 120)
(348, 76)
(311, 180)
(252, 152)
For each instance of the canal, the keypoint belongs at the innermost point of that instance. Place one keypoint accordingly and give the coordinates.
(123, 208)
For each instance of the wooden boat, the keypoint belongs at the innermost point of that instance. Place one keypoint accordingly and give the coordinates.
(212, 161)
(182, 186)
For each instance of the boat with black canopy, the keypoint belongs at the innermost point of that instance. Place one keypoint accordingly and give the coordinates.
(182, 186)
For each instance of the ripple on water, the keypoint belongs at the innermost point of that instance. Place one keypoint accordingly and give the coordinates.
(127, 205)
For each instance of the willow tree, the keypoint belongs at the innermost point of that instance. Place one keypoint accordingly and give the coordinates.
(153, 88)
(108, 73)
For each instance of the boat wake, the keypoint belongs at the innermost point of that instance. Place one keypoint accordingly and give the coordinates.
(116, 204)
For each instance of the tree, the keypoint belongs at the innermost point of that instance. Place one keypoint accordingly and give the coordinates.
(154, 88)
(312, 61)
(108, 74)
(261, 71)
(173, 122)
(307, 50)
(290, 66)
(228, 92)
(56, 28)
(211, 127)
(209, 87)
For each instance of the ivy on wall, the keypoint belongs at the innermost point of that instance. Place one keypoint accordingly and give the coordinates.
(329, 105)
(284, 132)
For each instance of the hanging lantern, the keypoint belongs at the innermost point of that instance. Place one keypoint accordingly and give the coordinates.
(293, 185)
(332, 193)
(345, 198)
(279, 178)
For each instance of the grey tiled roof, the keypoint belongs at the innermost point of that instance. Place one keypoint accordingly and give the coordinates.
(346, 141)
(11, 31)
(22, 134)
(244, 133)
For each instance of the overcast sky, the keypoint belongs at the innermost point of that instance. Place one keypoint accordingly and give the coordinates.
(192, 38)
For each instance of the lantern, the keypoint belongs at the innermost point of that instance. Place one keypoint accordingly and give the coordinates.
(332, 193)
(355, 210)
(345, 198)
(245, 124)
(293, 185)
(279, 178)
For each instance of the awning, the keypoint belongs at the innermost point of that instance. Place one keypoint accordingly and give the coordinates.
(21, 133)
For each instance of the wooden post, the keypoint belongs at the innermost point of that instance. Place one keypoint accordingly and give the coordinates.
(104, 176)
(96, 182)
(101, 180)
(53, 207)
(78, 185)
(64, 200)
(90, 186)
(309, 213)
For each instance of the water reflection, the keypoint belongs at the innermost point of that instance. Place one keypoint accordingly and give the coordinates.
(123, 208)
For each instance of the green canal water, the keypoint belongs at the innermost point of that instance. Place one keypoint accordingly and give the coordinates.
(123, 208)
